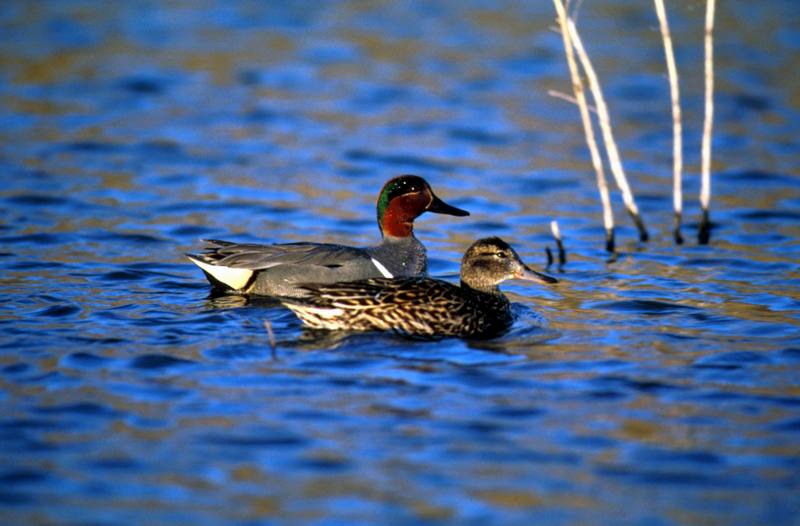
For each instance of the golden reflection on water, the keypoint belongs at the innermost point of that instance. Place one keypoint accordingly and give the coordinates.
(196, 152)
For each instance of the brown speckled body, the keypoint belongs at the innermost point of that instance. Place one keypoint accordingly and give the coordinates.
(413, 306)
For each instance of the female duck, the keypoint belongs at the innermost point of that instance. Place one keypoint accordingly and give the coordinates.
(276, 270)
(423, 306)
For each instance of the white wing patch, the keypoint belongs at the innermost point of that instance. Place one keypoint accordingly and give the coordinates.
(384, 272)
(235, 278)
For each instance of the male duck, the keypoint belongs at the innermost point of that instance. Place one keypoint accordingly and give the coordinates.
(276, 270)
(423, 306)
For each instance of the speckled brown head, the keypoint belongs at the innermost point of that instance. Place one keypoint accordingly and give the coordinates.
(491, 261)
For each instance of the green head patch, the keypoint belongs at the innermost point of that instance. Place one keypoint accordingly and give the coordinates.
(399, 186)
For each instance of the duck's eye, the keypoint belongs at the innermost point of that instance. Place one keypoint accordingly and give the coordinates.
(500, 255)
(408, 188)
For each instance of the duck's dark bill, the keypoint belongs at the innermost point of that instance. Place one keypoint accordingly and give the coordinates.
(440, 207)
(531, 275)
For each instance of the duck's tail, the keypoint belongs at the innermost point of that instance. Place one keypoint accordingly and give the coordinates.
(221, 276)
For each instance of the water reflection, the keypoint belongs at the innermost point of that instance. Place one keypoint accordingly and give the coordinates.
(660, 387)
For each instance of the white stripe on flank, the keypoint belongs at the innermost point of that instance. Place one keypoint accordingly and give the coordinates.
(235, 278)
(385, 273)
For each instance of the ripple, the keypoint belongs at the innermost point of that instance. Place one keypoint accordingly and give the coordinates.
(15, 498)
(537, 185)
(666, 456)
(140, 85)
(29, 424)
(624, 383)
(730, 360)
(116, 464)
(265, 438)
(256, 208)
(59, 311)
(36, 265)
(16, 368)
(323, 462)
(124, 275)
(237, 352)
(89, 360)
(593, 441)
(92, 147)
(180, 285)
(406, 161)
(516, 413)
(519, 456)
(193, 231)
(668, 477)
(770, 215)
(311, 415)
(38, 200)
(790, 425)
(80, 408)
(158, 362)
(791, 354)
(732, 396)
(647, 307)
(17, 477)
(758, 177)
(125, 237)
(478, 136)
(127, 392)
(350, 364)
(378, 96)
(750, 101)
(39, 238)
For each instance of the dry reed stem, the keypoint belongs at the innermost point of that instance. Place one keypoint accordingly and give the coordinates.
(608, 135)
(591, 142)
(677, 126)
(271, 336)
(562, 254)
(704, 233)
(569, 98)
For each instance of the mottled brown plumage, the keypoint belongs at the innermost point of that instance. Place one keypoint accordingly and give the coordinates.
(423, 306)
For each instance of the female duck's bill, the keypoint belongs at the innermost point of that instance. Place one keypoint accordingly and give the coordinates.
(277, 270)
(423, 307)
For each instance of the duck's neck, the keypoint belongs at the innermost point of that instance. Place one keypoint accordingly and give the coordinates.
(409, 242)
(477, 286)
(403, 256)
(396, 223)
(396, 217)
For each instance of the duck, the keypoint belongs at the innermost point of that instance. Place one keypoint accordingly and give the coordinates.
(279, 269)
(423, 307)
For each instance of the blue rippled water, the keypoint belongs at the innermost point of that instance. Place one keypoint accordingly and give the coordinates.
(658, 388)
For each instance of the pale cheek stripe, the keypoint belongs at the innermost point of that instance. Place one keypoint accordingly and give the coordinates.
(385, 273)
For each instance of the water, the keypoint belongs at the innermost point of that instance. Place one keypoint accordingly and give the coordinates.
(661, 388)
